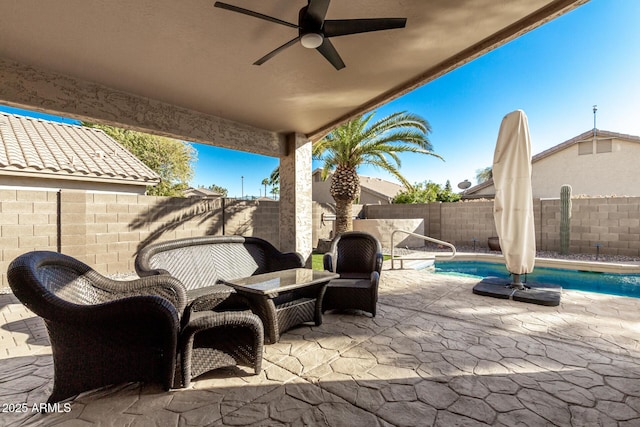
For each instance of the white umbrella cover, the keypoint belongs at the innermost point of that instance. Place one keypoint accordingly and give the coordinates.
(513, 205)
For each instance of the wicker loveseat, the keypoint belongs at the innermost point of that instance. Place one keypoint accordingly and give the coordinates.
(230, 334)
(101, 331)
(200, 262)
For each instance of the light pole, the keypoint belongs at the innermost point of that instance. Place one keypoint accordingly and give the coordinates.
(242, 186)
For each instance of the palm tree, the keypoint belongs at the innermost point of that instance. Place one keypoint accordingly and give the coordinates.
(274, 181)
(483, 175)
(357, 143)
(265, 182)
(274, 178)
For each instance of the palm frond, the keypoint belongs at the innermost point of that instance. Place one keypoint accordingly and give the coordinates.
(378, 143)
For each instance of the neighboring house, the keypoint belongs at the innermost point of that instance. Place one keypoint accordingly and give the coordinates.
(201, 192)
(373, 191)
(595, 163)
(47, 155)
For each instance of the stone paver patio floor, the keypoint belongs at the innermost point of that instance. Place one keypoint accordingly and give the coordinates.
(435, 354)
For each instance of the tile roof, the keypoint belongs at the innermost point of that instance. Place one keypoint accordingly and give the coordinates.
(60, 150)
(380, 186)
(200, 192)
(377, 186)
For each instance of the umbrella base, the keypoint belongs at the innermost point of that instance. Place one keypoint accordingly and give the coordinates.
(534, 293)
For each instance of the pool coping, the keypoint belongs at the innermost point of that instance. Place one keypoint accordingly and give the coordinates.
(604, 267)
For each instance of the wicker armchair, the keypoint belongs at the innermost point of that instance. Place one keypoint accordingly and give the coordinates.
(102, 331)
(357, 257)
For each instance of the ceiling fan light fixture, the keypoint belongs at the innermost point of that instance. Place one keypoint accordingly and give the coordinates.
(315, 32)
(312, 40)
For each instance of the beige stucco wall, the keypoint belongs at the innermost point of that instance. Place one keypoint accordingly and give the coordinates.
(369, 198)
(489, 190)
(597, 174)
(321, 194)
(320, 190)
(52, 184)
(614, 173)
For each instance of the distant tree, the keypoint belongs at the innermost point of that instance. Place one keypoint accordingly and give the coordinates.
(423, 192)
(483, 175)
(171, 159)
(447, 195)
(220, 190)
(275, 191)
(265, 182)
(426, 192)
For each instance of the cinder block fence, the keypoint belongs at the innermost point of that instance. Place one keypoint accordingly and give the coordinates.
(106, 230)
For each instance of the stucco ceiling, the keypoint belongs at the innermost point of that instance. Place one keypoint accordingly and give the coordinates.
(190, 54)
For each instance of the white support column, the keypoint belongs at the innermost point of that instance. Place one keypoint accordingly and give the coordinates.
(295, 196)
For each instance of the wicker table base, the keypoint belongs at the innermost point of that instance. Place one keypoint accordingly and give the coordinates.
(284, 299)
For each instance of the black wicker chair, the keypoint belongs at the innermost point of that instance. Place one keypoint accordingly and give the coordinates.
(101, 331)
(357, 257)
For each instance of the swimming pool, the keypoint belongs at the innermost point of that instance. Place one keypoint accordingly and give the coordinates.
(627, 285)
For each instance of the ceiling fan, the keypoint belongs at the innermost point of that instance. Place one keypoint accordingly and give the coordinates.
(314, 30)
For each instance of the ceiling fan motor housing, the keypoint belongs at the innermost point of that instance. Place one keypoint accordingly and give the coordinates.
(310, 30)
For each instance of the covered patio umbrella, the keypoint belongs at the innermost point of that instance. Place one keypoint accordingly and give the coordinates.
(513, 215)
(513, 205)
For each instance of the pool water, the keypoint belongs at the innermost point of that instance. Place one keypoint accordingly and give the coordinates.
(604, 283)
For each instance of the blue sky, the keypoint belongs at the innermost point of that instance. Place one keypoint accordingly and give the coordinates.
(556, 73)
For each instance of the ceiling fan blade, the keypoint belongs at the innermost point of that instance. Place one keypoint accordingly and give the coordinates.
(343, 27)
(317, 10)
(276, 51)
(331, 54)
(233, 8)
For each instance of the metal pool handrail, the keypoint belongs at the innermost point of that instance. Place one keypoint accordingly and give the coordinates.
(430, 239)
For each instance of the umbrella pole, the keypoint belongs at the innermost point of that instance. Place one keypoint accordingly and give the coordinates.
(516, 284)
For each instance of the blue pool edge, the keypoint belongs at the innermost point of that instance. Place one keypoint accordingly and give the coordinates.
(577, 265)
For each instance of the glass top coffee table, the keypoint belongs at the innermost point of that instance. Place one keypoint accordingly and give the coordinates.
(284, 299)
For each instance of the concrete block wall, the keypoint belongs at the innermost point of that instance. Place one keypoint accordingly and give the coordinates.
(106, 230)
(431, 213)
(462, 222)
(321, 229)
(28, 222)
(612, 222)
(548, 233)
(253, 218)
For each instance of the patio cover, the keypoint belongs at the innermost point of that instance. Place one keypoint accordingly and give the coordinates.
(184, 70)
